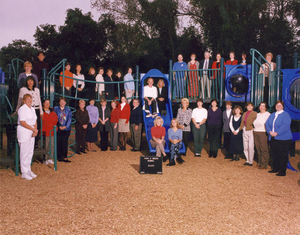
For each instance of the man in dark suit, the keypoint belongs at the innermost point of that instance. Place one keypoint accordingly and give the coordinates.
(104, 125)
(206, 75)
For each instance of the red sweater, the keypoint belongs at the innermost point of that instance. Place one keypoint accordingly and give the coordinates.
(115, 115)
(49, 121)
(229, 62)
(158, 132)
(68, 81)
(125, 112)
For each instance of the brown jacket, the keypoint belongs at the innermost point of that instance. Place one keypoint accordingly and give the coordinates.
(249, 122)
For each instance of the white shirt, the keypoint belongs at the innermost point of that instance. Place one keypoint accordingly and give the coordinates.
(28, 115)
(276, 115)
(36, 99)
(150, 92)
(231, 126)
(80, 76)
(259, 122)
(199, 114)
(228, 112)
(100, 86)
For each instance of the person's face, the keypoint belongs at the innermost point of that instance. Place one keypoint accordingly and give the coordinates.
(237, 112)
(184, 104)
(47, 104)
(28, 101)
(113, 105)
(249, 107)
(173, 123)
(109, 73)
(199, 104)
(123, 99)
(262, 108)
(30, 83)
(129, 70)
(118, 74)
(180, 58)
(279, 107)
(103, 103)
(214, 104)
(158, 123)
(81, 105)
(41, 57)
(269, 58)
(92, 102)
(78, 68)
(243, 56)
(150, 82)
(28, 68)
(206, 55)
(218, 57)
(93, 71)
(135, 103)
(62, 103)
(231, 55)
(193, 57)
(101, 71)
(68, 67)
(228, 107)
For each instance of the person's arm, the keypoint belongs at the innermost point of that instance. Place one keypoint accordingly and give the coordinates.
(33, 129)
(242, 122)
(82, 82)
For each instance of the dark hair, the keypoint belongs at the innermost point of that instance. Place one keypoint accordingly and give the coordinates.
(40, 52)
(265, 103)
(229, 103)
(30, 78)
(129, 68)
(199, 100)
(100, 69)
(92, 98)
(51, 109)
(237, 107)
(68, 63)
(62, 98)
(214, 100)
(279, 101)
(249, 103)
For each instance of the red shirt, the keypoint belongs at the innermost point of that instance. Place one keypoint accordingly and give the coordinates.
(125, 112)
(68, 81)
(49, 121)
(229, 62)
(158, 132)
(115, 115)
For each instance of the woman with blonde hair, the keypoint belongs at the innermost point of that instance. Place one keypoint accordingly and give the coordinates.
(175, 143)
(158, 133)
(184, 117)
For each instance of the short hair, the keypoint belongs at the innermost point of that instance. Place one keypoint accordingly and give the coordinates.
(92, 98)
(90, 70)
(161, 80)
(232, 52)
(249, 103)
(40, 52)
(114, 101)
(177, 123)
(129, 68)
(185, 100)
(81, 101)
(27, 63)
(149, 79)
(136, 100)
(237, 107)
(68, 63)
(199, 100)
(219, 54)
(62, 98)
(103, 100)
(109, 70)
(265, 103)
(100, 69)
(46, 100)
(26, 96)
(193, 54)
(30, 78)
(214, 100)
(244, 53)
(270, 54)
(229, 103)
(279, 101)
(158, 118)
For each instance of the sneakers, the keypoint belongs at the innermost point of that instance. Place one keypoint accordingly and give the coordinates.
(154, 115)
(26, 176)
(32, 174)
(50, 161)
(148, 115)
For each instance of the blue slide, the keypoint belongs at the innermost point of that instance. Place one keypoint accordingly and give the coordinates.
(149, 122)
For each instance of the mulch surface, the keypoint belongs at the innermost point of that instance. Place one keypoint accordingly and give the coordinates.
(103, 193)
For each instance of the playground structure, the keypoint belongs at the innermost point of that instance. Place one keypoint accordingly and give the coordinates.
(224, 87)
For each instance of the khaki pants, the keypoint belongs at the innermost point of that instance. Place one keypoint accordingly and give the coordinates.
(136, 136)
(160, 148)
(248, 142)
(261, 145)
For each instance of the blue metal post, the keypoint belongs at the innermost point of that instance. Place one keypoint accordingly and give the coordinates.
(278, 74)
(222, 83)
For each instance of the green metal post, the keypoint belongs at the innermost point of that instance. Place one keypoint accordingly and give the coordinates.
(9, 71)
(171, 78)
(17, 158)
(41, 132)
(278, 71)
(137, 79)
(222, 83)
(55, 148)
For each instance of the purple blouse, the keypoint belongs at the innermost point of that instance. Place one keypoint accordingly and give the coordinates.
(214, 117)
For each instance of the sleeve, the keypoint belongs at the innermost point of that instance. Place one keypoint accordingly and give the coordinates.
(83, 83)
(22, 114)
(20, 99)
(230, 124)
(242, 122)
(36, 79)
(139, 117)
(193, 114)
(155, 94)
(189, 65)
(69, 119)
(169, 133)
(269, 123)
(127, 112)
(164, 132)
(180, 134)
(74, 81)
(152, 131)
(285, 124)
(126, 83)
(20, 80)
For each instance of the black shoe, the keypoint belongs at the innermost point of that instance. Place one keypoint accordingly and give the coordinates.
(171, 163)
(179, 160)
(233, 158)
(210, 155)
(134, 150)
(280, 174)
(227, 157)
(250, 164)
(237, 158)
(246, 164)
(165, 158)
(77, 152)
(84, 152)
(113, 150)
(215, 156)
(273, 171)
(64, 160)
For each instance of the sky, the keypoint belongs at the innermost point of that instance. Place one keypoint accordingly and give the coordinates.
(19, 18)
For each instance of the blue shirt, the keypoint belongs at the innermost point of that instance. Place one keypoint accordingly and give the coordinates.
(64, 117)
(129, 85)
(93, 112)
(180, 66)
(175, 135)
(282, 126)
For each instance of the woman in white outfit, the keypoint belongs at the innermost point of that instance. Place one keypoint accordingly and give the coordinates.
(26, 131)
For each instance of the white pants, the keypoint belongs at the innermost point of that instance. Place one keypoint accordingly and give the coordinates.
(26, 153)
(248, 142)
(129, 93)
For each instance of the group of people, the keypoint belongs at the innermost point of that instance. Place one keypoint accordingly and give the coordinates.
(95, 85)
(200, 84)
